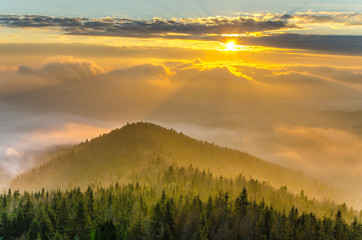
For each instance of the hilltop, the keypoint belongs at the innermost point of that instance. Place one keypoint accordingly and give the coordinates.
(138, 149)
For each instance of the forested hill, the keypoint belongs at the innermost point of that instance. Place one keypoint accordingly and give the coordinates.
(181, 203)
(126, 153)
(137, 182)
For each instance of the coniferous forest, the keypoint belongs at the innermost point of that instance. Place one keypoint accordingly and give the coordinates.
(134, 183)
(182, 203)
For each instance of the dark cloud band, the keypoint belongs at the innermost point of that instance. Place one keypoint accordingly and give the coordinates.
(206, 29)
(155, 27)
(339, 44)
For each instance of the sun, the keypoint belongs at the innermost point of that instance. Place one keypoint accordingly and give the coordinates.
(230, 46)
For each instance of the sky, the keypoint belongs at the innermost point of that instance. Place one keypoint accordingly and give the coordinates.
(278, 79)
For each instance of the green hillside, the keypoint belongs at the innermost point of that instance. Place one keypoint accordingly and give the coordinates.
(175, 203)
(147, 182)
(115, 156)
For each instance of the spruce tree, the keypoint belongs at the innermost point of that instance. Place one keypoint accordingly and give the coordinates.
(35, 230)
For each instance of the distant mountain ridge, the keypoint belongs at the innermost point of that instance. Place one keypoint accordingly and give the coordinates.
(119, 155)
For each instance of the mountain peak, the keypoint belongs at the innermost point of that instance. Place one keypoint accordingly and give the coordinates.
(118, 155)
(145, 127)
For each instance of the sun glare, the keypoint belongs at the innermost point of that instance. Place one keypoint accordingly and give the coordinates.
(230, 46)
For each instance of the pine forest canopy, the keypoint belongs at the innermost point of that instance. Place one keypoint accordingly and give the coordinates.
(144, 181)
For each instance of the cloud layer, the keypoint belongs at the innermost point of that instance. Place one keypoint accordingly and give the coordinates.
(337, 44)
(156, 27)
(301, 116)
(257, 29)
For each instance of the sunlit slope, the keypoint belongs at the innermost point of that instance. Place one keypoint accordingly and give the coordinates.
(118, 155)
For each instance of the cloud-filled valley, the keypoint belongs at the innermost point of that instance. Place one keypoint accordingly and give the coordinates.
(299, 116)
